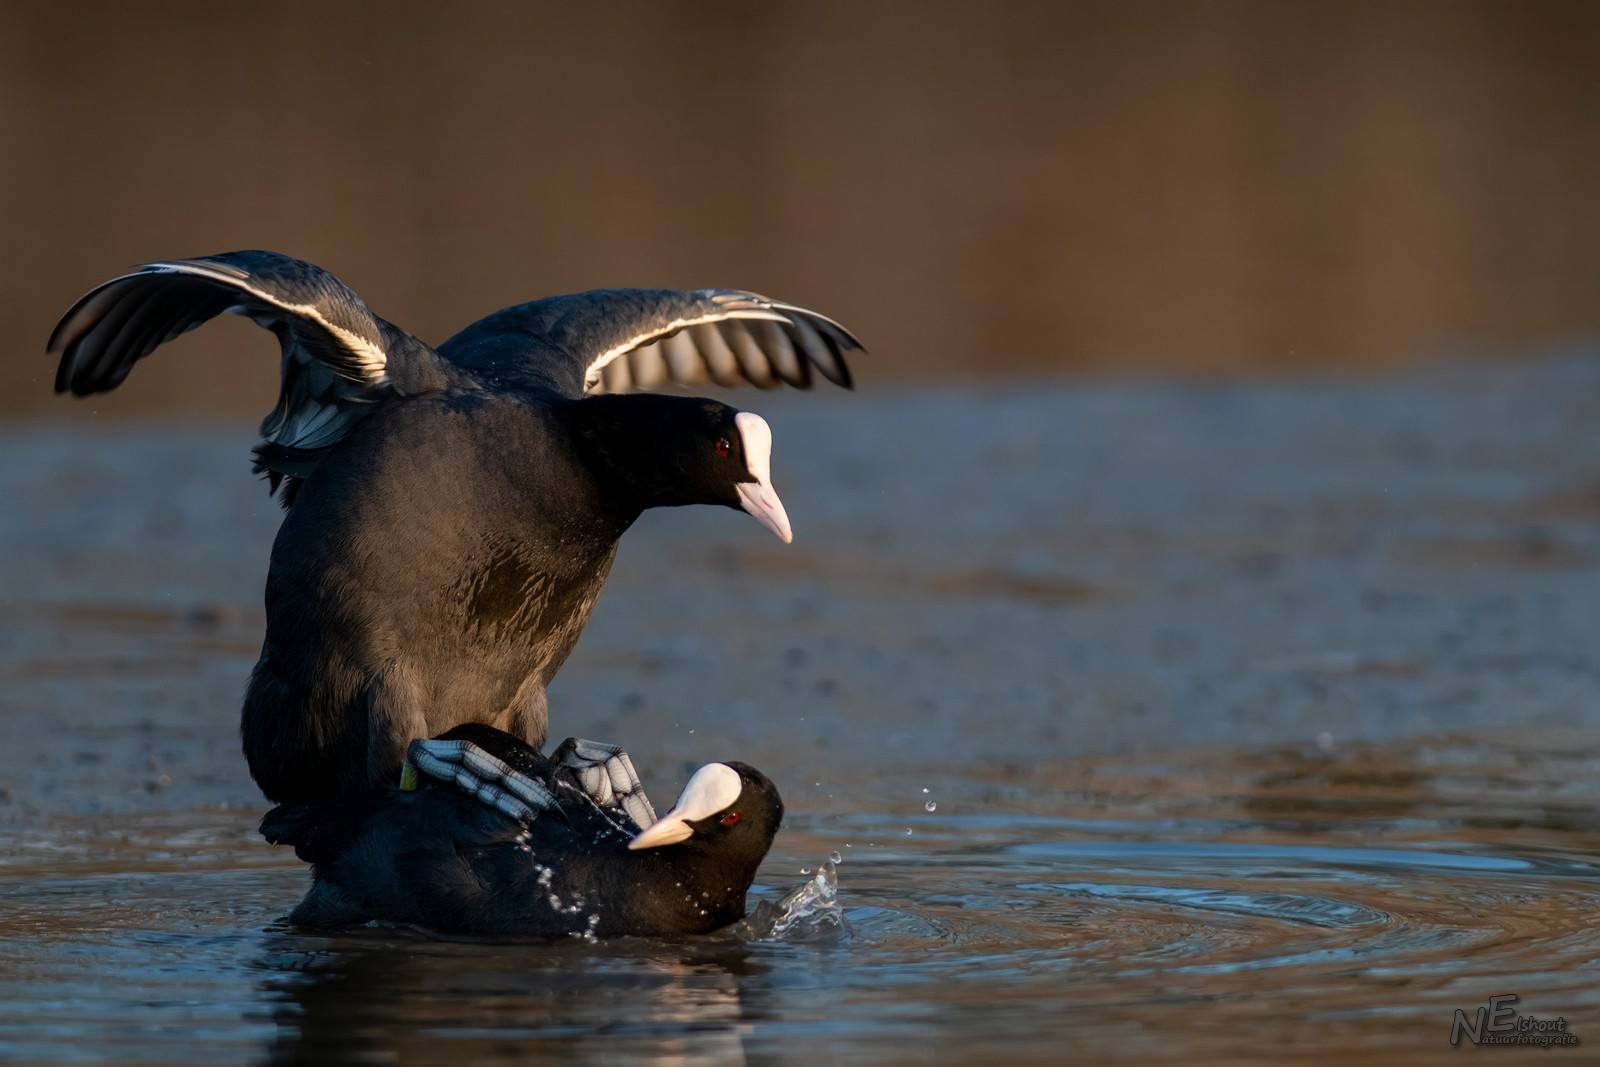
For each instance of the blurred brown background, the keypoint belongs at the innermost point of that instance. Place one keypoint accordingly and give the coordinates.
(973, 187)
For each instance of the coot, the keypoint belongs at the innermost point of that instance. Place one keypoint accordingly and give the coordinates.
(487, 836)
(453, 513)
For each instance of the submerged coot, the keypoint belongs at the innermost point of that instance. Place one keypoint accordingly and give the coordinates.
(487, 836)
(454, 513)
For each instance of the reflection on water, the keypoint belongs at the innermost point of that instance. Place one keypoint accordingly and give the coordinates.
(383, 996)
(1165, 911)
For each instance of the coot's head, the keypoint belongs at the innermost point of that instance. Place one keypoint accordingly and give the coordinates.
(727, 459)
(729, 811)
(683, 450)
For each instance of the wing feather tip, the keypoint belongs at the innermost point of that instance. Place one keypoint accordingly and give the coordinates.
(57, 343)
(837, 372)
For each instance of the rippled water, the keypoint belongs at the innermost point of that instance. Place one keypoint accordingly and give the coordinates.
(1257, 722)
(1239, 906)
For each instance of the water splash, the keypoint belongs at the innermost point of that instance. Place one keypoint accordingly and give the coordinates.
(808, 912)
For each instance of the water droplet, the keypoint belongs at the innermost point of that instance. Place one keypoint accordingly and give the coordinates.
(924, 789)
(908, 831)
(834, 856)
(931, 806)
(594, 920)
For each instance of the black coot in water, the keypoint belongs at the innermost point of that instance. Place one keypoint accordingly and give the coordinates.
(453, 513)
(487, 836)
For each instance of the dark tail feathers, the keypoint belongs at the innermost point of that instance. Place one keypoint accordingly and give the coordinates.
(319, 831)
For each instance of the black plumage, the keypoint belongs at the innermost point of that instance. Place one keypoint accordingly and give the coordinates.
(453, 514)
(440, 858)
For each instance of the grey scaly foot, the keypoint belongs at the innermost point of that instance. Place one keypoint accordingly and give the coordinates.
(608, 777)
(475, 771)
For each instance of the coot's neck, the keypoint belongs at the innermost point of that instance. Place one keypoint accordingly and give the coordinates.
(634, 444)
(686, 890)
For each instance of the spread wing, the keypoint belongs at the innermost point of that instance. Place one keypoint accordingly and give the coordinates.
(618, 340)
(338, 356)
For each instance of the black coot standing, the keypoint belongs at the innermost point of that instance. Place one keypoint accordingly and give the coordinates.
(452, 514)
(506, 842)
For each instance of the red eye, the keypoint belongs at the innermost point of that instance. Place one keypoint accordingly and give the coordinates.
(724, 446)
(730, 818)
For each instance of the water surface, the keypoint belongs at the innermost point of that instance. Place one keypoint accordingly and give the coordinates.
(1258, 721)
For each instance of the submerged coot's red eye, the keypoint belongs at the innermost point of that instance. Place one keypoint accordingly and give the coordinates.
(724, 446)
(730, 818)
